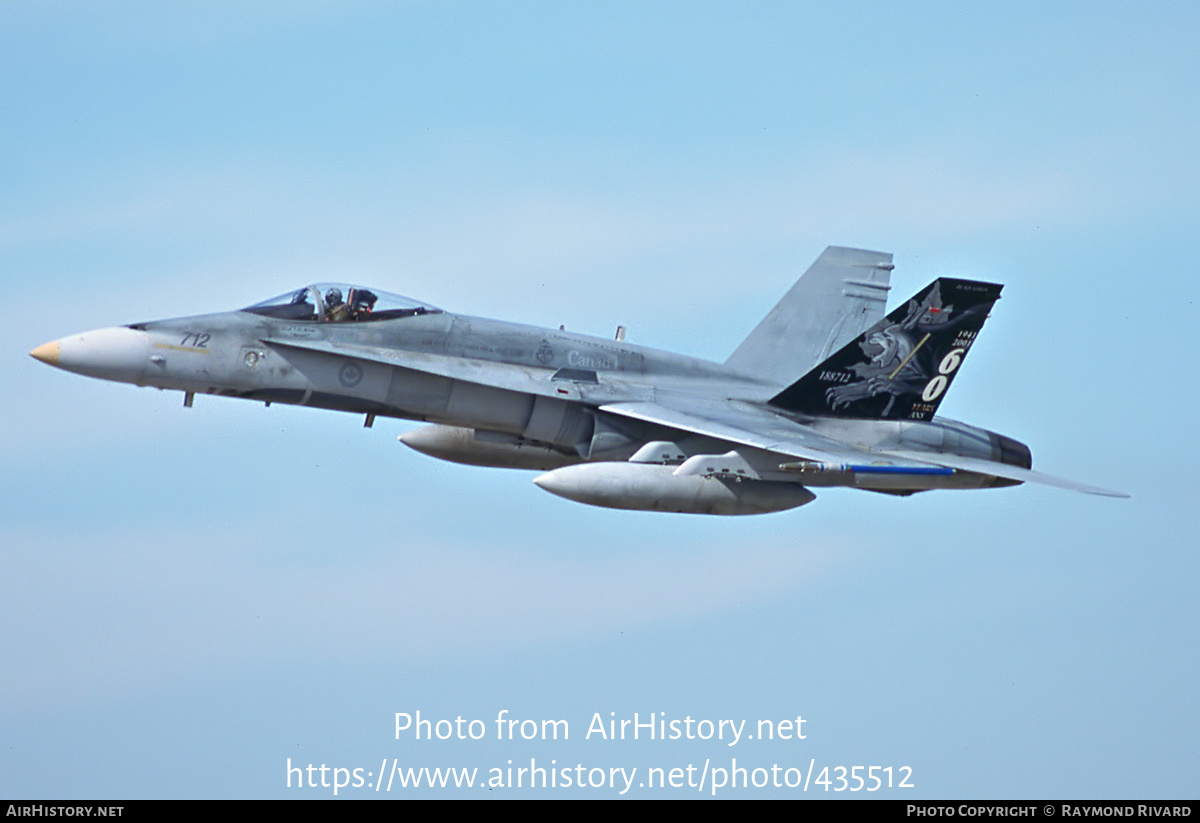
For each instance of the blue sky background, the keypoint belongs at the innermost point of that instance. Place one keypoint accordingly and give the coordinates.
(189, 599)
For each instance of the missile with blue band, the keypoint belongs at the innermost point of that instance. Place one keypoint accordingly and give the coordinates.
(851, 468)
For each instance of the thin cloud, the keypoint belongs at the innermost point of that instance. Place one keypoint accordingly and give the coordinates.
(174, 615)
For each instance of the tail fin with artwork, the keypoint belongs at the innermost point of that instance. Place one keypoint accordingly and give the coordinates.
(900, 368)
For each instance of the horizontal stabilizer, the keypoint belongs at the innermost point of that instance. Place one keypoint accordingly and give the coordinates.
(989, 467)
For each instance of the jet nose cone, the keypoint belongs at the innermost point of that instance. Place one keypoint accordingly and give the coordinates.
(47, 353)
(110, 354)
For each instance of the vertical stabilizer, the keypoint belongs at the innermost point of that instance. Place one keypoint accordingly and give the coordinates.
(843, 293)
(900, 368)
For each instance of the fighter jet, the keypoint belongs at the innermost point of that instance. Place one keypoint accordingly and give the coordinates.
(825, 391)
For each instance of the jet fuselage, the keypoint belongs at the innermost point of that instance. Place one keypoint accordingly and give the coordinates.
(614, 423)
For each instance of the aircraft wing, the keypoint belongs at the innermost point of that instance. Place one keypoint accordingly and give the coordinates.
(746, 425)
(751, 425)
(735, 421)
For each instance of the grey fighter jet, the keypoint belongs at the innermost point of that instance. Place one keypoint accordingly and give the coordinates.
(826, 390)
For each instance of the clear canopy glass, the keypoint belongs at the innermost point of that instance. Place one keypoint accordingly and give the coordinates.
(340, 303)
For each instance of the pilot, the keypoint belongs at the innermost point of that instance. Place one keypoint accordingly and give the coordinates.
(336, 309)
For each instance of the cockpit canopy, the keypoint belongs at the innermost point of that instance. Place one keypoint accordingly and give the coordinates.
(339, 303)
